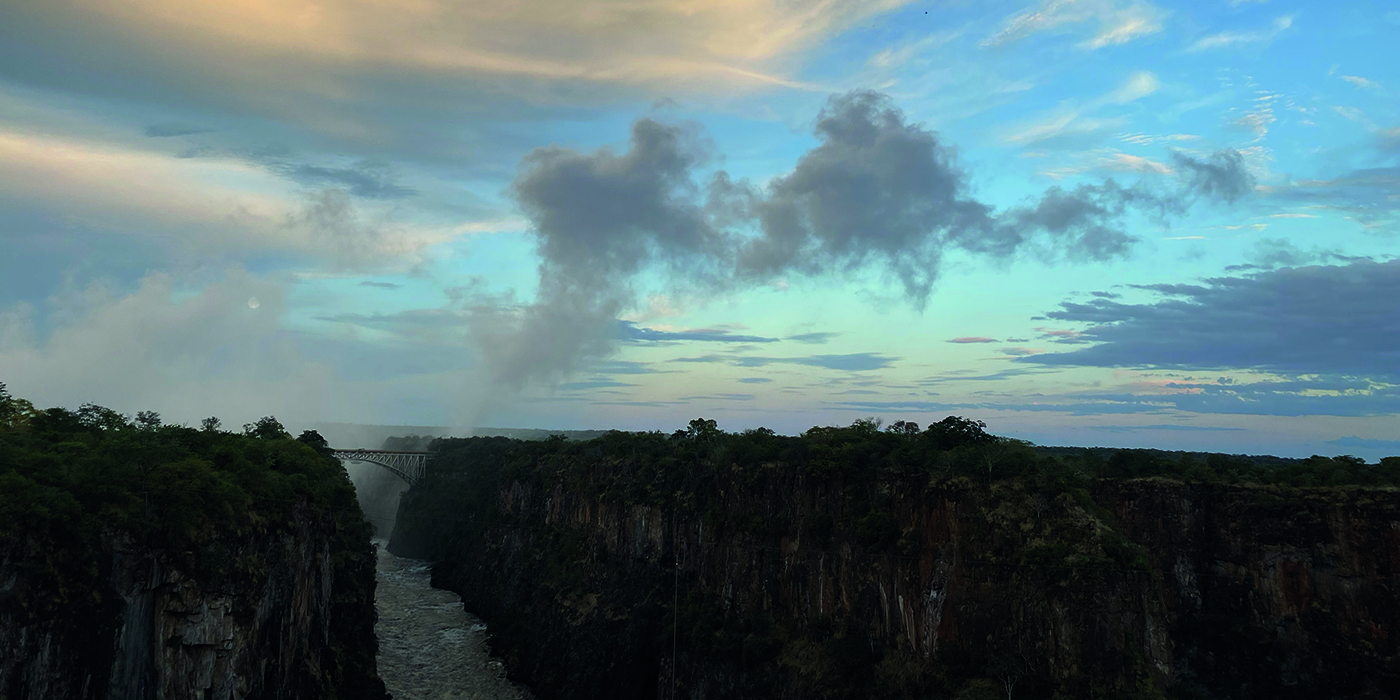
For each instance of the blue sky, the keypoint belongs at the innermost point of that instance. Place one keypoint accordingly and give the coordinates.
(1083, 221)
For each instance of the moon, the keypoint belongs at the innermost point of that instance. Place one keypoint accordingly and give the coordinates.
(253, 303)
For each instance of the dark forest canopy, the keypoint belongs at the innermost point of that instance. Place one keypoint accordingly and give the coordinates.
(957, 445)
(72, 481)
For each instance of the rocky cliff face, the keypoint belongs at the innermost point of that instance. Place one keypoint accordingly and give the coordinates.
(157, 629)
(1272, 592)
(790, 584)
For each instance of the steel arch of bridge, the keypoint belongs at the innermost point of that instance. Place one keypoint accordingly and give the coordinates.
(408, 466)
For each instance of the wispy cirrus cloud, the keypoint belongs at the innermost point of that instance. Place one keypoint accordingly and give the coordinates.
(1075, 120)
(1115, 22)
(1223, 40)
(324, 47)
(200, 206)
(1363, 83)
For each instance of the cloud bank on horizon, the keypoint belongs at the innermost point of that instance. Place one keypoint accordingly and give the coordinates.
(1082, 220)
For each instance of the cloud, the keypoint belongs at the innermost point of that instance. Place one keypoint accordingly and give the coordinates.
(1365, 443)
(593, 384)
(1162, 426)
(1230, 39)
(322, 49)
(1117, 23)
(853, 362)
(364, 179)
(1222, 176)
(1072, 121)
(1134, 164)
(198, 207)
(1322, 319)
(634, 333)
(812, 338)
(1138, 21)
(973, 339)
(877, 194)
(1361, 82)
(381, 285)
(721, 397)
(1369, 196)
(1270, 253)
(182, 347)
(754, 380)
(1317, 396)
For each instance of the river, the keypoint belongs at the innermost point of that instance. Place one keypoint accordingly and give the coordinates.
(430, 648)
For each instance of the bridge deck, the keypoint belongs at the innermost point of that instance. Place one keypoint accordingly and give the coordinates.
(408, 466)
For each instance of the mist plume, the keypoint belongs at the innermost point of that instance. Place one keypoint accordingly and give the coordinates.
(878, 193)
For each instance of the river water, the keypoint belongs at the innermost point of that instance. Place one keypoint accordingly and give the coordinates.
(430, 648)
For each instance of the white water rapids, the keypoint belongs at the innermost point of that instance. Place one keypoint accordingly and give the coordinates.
(430, 647)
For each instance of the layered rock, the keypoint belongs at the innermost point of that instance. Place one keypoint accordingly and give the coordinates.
(155, 629)
(786, 584)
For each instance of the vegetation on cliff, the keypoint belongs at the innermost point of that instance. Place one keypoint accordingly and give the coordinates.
(77, 485)
(615, 566)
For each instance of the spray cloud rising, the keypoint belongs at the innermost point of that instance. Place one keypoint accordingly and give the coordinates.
(878, 194)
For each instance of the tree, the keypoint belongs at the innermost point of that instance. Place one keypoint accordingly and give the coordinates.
(1008, 665)
(318, 443)
(148, 420)
(210, 424)
(956, 431)
(14, 413)
(702, 429)
(94, 417)
(906, 429)
(866, 426)
(267, 428)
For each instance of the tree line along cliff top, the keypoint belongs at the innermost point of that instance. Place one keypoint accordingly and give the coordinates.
(75, 483)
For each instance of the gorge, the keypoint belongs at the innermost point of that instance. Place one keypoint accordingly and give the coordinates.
(851, 562)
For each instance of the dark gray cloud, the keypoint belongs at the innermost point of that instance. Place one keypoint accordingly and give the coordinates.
(380, 285)
(1324, 319)
(1370, 196)
(878, 193)
(754, 380)
(1221, 176)
(1311, 397)
(1270, 253)
(631, 332)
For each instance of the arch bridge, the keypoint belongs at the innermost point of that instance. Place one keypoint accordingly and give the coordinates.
(408, 466)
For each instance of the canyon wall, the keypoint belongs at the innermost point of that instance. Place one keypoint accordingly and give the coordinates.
(633, 569)
(292, 623)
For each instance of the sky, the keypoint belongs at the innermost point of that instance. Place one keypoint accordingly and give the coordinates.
(1085, 222)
